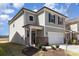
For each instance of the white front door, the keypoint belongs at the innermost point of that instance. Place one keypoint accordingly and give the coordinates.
(55, 38)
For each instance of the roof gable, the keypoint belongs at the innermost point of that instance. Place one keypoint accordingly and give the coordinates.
(22, 11)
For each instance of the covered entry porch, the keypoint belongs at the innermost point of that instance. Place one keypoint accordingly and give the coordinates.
(33, 34)
(72, 37)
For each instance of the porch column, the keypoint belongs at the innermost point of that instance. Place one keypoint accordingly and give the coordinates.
(36, 33)
(35, 36)
(30, 36)
(70, 35)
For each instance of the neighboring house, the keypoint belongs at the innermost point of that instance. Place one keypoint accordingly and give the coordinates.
(4, 38)
(73, 28)
(27, 27)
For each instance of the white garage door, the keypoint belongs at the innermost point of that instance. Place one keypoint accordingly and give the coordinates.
(55, 37)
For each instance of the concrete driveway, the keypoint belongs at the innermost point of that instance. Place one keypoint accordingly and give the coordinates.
(71, 48)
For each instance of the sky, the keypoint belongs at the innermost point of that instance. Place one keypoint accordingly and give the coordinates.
(9, 10)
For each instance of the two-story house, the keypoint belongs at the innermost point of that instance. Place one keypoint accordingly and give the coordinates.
(73, 28)
(27, 27)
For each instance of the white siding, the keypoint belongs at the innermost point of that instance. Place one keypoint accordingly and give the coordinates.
(73, 27)
(41, 19)
(18, 27)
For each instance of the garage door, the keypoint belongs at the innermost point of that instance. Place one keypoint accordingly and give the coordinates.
(55, 38)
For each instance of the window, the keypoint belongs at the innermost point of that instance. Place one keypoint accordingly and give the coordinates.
(51, 18)
(31, 18)
(60, 20)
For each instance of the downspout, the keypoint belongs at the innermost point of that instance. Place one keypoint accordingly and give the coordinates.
(30, 36)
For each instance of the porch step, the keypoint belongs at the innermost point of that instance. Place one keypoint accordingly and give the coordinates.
(31, 45)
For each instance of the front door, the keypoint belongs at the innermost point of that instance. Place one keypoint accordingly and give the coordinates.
(33, 37)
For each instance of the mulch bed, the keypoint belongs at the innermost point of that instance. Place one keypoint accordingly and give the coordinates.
(32, 51)
(29, 51)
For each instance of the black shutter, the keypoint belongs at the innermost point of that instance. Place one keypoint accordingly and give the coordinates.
(49, 17)
(53, 18)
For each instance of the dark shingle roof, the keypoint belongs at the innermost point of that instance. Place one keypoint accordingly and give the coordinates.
(33, 12)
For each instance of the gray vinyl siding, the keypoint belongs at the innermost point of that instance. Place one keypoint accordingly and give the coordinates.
(56, 20)
(53, 29)
(45, 22)
(42, 19)
(26, 18)
(49, 29)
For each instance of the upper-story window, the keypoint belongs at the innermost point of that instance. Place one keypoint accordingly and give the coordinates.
(31, 18)
(60, 20)
(51, 18)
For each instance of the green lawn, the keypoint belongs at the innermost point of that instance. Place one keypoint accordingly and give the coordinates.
(11, 49)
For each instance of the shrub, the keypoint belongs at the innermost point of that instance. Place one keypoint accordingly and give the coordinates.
(2, 51)
(57, 46)
(39, 46)
(43, 48)
(74, 41)
(70, 41)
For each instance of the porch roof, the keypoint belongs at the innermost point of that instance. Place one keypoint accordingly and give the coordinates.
(71, 31)
(32, 26)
